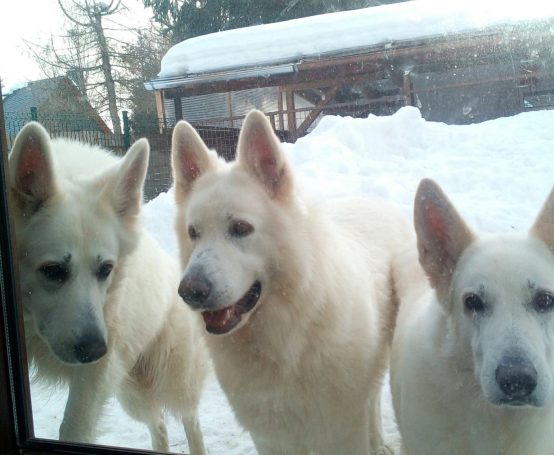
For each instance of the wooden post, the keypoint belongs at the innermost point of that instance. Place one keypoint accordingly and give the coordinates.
(160, 110)
(230, 108)
(407, 88)
(280, 109)
(126, 130)
(291, 115)
(178, 108)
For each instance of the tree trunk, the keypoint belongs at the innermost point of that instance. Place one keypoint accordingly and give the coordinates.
(107, 71)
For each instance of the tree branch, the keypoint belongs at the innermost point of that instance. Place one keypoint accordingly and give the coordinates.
(72, 19)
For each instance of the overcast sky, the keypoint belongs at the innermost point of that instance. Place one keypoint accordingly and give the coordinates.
(36, 21)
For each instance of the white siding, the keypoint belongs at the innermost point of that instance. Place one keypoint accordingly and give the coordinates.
(230, 104)
(213, 105)
(169, 109)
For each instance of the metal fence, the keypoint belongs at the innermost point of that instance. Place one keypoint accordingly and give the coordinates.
(72, 126)
(220, 134)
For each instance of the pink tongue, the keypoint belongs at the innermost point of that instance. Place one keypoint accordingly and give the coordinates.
(218, 318)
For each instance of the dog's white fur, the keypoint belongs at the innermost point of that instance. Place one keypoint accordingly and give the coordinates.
(79, 206)
(303, 369)
(447, 357)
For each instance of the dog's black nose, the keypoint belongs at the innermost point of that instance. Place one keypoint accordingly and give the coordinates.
(195, 289)
(90, 348)
(516, 377)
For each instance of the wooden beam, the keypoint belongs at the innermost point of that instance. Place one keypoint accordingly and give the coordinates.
(160, 109)
(298, 81)
(230, 108)
(203, 88)
(291, 115)
(310, 118)
(178, 108)
(324, 83)
(507, 78)
(407, 88)
(280, 109)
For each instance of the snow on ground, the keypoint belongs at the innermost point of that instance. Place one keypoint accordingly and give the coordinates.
(291, 41)
(497, 173)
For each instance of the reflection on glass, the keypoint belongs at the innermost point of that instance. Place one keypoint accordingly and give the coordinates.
(101, 309)
(118, 357)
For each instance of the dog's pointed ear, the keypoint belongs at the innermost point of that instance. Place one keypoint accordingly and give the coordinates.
(189, 158)
(543, 227)
(260, 153)
(128, 181)
(442, 234)
(32, 178)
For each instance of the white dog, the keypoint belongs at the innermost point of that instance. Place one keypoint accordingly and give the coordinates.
(473, 358)
(99, 295)
(296, 296)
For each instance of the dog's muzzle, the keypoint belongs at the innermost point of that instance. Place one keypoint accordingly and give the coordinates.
(195, 289)
(517, 378)
(89, 348)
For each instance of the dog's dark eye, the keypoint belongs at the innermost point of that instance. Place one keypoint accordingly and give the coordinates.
(56, 272)
(104, 271)
(474, 303)
(193, 233)
(240, 228)
(543, 302)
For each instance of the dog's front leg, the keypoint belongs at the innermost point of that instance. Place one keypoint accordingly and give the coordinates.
(89, 388)
(376, 442)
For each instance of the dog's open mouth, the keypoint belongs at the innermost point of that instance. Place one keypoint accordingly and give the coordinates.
(223, 321)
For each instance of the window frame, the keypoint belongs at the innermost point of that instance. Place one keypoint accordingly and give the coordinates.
(13, 410)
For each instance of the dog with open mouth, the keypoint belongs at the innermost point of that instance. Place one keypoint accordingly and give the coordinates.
(297, 294)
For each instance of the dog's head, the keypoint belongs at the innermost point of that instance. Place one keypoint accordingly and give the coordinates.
(498, 295)
(226, 222)
(72, 234)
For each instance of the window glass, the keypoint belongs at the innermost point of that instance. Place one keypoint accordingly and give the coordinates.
(367, 97)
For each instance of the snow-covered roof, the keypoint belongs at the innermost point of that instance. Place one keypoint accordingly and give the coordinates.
(275, 45)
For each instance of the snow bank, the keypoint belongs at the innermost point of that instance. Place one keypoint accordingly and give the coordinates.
(497, 173)
(290, 41)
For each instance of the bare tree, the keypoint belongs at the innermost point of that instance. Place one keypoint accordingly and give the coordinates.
(128, 56)
(141, 59)
(74, 54)
(88, 16)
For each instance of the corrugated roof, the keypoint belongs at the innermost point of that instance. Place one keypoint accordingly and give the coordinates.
(32, 95)
(36, 94)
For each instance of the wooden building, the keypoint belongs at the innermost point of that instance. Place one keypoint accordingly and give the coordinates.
(459, 77)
